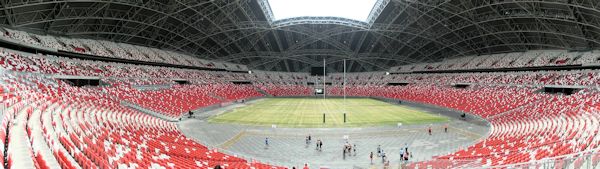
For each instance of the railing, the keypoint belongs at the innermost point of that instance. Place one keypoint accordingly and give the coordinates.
(150, 112)
(152, 87)
(583, 160)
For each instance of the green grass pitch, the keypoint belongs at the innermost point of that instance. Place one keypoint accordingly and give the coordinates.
(308, 112)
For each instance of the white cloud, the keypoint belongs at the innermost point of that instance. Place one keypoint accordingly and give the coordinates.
(350, 9)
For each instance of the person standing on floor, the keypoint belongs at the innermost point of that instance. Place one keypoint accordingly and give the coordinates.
(306, 141)
(320, 145)
(267, 141)
(446, 128)
(349, 149)
(429, 130)
(344, 153)
(401, 154)
(378, 150)
(371, 157)
(317, 142)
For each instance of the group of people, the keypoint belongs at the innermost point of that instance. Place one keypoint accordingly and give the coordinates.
(404, 154)
(445, 129)
(349, 150)
(380, 153)
(319, 146)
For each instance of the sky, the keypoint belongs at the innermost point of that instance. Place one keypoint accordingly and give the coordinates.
(350, 9)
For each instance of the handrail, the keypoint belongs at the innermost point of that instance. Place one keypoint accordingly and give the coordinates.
(150, 112)
(583, 153)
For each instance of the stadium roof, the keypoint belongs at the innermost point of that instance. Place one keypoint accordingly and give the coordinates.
(406, 31)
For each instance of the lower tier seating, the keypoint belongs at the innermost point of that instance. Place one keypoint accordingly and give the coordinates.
(180, 99)
(286, 90)
(50, 124)
(526, 125)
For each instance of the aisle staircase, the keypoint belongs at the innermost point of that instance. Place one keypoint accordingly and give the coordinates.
(261, 91)
(222, 99)
(149, 112)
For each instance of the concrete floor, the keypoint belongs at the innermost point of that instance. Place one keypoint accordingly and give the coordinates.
(287, 146)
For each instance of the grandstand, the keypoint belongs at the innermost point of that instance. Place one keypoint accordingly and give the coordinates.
(245, 83)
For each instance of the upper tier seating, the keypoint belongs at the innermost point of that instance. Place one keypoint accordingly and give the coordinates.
(48, 64)
(75, 46)
(534, 58)
(589, 58)
(20, 36)
(573, 78)
(96, 47)
(51, 42)
(111, 49)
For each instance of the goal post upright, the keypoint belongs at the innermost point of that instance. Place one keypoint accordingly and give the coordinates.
(344, 90)
(324, 76)
(324, 91)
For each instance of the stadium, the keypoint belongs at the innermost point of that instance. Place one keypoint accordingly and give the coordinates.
(273, 84)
